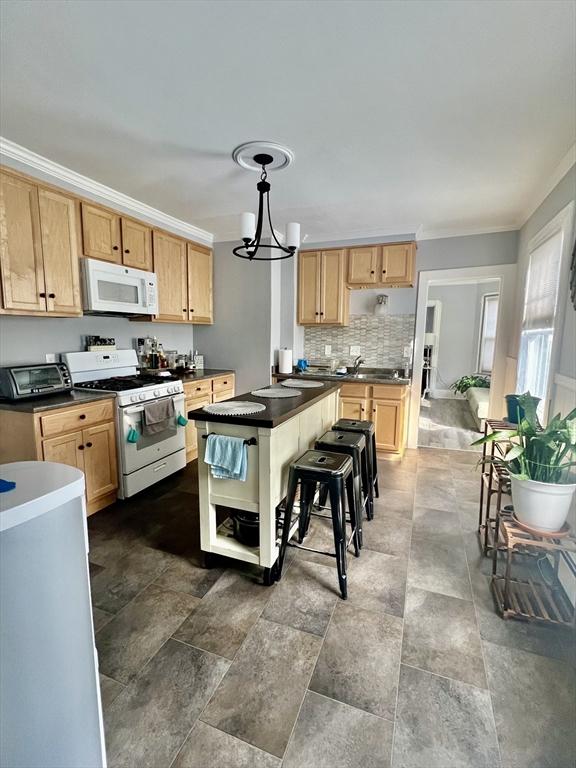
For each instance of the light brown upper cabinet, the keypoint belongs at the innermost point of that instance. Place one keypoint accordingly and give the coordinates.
(391, 265)
(322, 291)
(398, 264)
(363, 265)
(59, 232)
(170, 266)
(101, 237)
(199, 285)
(38, 250)
(110, 237)
(136, 244)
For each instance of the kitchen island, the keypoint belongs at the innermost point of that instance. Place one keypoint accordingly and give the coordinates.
(277, 436)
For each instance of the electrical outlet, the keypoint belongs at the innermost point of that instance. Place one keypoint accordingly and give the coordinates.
(355, 351)
(327, 349)
(50, 357)
(408, 351)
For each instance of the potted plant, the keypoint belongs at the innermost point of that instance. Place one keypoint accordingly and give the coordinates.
(540, 465)
(472, 380)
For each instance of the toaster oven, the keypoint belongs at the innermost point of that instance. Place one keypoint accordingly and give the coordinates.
(21, 381)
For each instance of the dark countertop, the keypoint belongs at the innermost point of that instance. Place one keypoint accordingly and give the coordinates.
(277, 410)
(203, 373)
(366, 378)
(51, 402)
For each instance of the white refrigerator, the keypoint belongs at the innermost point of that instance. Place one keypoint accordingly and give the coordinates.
(50, 710)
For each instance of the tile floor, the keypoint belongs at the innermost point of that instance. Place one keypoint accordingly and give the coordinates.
(209, 669)
(448, 424)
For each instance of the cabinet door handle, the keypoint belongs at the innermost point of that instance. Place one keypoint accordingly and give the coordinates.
(316, 313)
(82, 416)
(43, 296)
(88, 445)
(184, 309)
(383, 271)
(114, 247)
(80, 447)
(191, 310)
(371, 271)
(51, 295)
(126, 250)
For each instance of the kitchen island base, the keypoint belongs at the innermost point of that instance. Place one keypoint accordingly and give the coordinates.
(286, 432)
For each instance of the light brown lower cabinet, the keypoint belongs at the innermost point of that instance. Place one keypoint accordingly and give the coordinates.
(385, 405)
(82, 437)
(201, 393)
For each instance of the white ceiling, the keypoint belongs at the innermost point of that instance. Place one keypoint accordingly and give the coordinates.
(403, 116)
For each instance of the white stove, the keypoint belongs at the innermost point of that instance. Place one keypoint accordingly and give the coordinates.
(144, 457)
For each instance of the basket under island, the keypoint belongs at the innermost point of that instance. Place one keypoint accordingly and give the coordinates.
(276, 436)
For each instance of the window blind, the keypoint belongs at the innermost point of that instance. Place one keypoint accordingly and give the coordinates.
(542, 285)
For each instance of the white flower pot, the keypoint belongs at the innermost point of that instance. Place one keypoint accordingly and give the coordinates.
(541, 505)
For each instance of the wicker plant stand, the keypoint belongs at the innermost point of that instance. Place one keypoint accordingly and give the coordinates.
(494, 481)
(529, 599)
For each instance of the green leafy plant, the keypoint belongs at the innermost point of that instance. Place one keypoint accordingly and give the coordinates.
(537, 453)
(472, 380)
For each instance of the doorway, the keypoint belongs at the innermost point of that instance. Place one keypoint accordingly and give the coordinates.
(463, 322)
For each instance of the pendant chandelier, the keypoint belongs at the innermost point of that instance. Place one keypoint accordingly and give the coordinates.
(264, 155)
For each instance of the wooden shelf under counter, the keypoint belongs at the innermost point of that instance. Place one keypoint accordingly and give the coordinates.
(81, 434)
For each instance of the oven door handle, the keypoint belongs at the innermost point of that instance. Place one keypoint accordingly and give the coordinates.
(140, 409)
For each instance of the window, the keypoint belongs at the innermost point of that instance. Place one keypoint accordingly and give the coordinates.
(488, 323)
(540, 307)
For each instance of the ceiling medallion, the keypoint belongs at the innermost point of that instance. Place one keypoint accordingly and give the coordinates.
(263, 155)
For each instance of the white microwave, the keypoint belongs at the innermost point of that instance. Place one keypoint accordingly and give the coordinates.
(113, 288)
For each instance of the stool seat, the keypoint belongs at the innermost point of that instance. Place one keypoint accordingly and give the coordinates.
(348, 439)
(324, 462)
(352, 425)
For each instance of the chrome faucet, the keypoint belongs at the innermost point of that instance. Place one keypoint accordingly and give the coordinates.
(357, 363)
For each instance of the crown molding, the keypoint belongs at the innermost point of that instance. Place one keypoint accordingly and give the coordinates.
(554, 179)
(439, 234)
(19, 158)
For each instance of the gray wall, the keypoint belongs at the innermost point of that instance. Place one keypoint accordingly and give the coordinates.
(559, 198)
(28, 339)
(241, 337)
(459, 328)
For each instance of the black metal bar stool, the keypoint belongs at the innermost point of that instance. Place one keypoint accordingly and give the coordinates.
(367, 429)
(352, 444)
(335, 470)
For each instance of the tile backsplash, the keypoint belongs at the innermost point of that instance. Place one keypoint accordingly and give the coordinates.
(381, 340)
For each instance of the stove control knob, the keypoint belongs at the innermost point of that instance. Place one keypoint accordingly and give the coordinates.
(141, 396)
(157, 393)
(133, 398)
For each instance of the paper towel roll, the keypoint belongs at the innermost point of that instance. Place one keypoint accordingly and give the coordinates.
(285, 360)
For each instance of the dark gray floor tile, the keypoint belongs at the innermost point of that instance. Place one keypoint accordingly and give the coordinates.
(443, 723)
(208, 747)
(377, 581)
(94, 568)
(435, 498)
(432, 458)
(182, 575)
(329, 734)
(467, 490)
(441, 636)
(109, 689)
(226, 614)
(320, 537)
(433, 478)
(437, 524)
(395, 478)
(148, 722)
(389, 535)
(259, 699)
(466, 471)
(305, 597)
(139, 630)
(392, 504)
(122, 579)
(468, 515)
(100, 618)
(360, 659)
(439, 566)
(534, 701)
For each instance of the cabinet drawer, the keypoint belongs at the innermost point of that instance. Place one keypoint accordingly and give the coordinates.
(354, 390)
(71, 419)
(193, 403)
(198, 388)
(221, 383)
(223, 394)
(389, 391)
